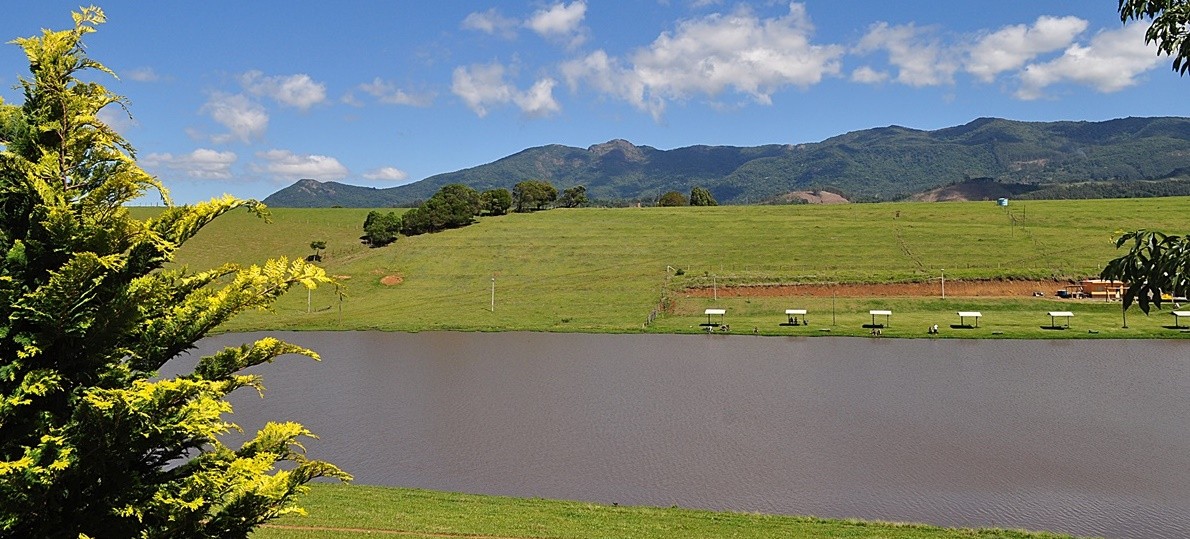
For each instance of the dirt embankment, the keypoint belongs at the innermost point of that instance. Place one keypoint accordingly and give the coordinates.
(991, 289)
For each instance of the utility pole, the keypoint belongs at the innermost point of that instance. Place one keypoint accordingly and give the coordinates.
(943, 284)
(715, 286)
(493, 293)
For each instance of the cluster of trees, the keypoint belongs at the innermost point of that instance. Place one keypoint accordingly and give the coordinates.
(456, 205)
(93, 442)
(453, 206)
(699, 196)
(532, 195)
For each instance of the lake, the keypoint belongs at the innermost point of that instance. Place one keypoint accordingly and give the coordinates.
(1087, 437)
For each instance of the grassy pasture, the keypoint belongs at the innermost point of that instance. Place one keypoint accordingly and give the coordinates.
(604, 270)
(357, 511)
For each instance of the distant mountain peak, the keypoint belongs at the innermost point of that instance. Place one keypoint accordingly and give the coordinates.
(886, 163)
(618, 148)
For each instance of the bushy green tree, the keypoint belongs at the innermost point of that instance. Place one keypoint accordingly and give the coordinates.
(381, 229)
(532, 195)
(700, 196)
(495, 201)
(573, 197)
(92, 442)
(672, 198)
(1169, 27)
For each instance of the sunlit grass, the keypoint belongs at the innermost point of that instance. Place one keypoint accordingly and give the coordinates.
(604, 270)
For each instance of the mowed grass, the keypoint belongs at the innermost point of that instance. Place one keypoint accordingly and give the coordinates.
(604, 270)
(338, 511)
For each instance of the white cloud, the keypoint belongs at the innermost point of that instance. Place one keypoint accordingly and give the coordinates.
(392, 174)
(299, 91)
(538, 101)
(868, 75)
(1009, 48)
(386, 92)
(201, 163)
(707, 56)
(920, 61)
(286, 165)
(143, 74)
(483, 86)
(1111, 62)
(245, 118)
(491, 22)
(562, 21)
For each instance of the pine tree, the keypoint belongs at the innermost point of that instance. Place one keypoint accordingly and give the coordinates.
(92, 442)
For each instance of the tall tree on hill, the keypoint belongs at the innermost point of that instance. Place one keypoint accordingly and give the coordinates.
(92, 442)
(672, 198)
(1169, 26)
(573, 197)
(700, 196)
(495, 201)
(532, 195)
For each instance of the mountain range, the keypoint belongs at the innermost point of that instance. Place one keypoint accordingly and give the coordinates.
(888, 163)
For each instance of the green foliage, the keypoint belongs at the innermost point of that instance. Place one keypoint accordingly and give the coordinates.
(384, 511)
(453, 206)
(574, 197)
(495, 201)
(531, 195)
(672, 198)
(381, 229)
(1169, 27)
(91, 441)
(1155, 264)
(700, 196)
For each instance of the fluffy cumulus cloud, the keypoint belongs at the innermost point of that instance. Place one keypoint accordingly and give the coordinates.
(298, 91)
(286, 165)
(386, 92)
(491, 22)
(919, 59)
(1009, 48)
(560, 21)
(201, 163)
(484, 86)
(245, 119)
(389, 174)
(1111, 62)
(708, 56)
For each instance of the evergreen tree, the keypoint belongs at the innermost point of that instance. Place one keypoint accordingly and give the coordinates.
(92, 442)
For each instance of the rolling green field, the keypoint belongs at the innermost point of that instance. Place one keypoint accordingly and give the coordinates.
(605, 270)
(356, 511)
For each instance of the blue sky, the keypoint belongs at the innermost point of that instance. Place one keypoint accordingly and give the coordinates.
(247, 97)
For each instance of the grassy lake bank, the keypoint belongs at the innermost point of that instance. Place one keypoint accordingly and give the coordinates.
(338, 511)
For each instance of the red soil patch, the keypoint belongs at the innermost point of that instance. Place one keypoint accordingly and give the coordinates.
(391, 280)
(953, 288)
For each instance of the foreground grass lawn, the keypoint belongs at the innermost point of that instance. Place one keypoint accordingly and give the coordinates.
(604, 270)
(338, 511)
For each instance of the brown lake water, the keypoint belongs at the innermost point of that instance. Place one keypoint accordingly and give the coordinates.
(1083, 437)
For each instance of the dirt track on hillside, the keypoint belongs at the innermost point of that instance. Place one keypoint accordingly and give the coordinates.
(989, 289)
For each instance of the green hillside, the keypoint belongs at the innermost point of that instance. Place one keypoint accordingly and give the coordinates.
(605, 270)
(888, 163)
